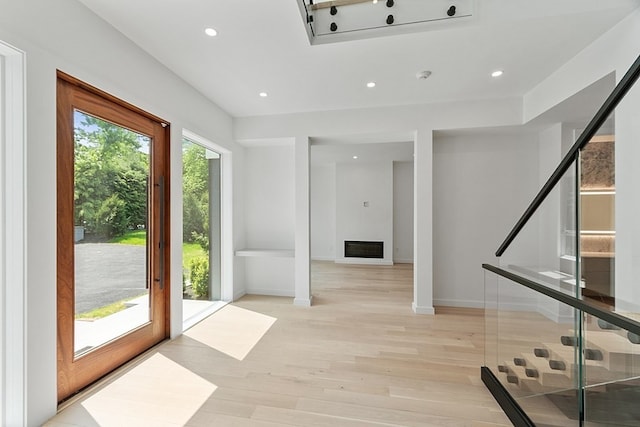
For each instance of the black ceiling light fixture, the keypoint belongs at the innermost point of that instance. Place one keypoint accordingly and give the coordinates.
(451, 11)
(390, 3)
(333, 10)
(333, 27)
(390, 19)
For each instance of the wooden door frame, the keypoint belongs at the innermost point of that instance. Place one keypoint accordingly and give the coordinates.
(76, 373)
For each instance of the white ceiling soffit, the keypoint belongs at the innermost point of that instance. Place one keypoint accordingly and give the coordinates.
(262, 46)
(362, 153)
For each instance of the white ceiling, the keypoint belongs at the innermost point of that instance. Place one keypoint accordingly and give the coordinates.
(262, 46)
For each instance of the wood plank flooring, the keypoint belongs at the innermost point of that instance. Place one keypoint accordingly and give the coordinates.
(358, 357)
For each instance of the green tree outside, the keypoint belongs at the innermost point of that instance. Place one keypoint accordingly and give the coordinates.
(110, 172)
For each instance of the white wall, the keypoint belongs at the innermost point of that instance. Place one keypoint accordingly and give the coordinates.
(403, 212)
(49, 33)
(481, 185)
(323, 212)
(269, 209)
(269, 219)
(364, 207)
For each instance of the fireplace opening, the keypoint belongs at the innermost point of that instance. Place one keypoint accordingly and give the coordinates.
(363, 249)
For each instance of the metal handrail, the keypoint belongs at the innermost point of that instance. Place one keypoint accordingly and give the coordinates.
(601, 116)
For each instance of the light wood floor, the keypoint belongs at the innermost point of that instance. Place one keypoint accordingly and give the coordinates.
(358, 357)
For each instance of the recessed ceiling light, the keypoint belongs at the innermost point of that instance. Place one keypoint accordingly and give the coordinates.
(263, 94)
(211, 32)
(355, 157)
(371, 84)
(497, 73)
(375, 1)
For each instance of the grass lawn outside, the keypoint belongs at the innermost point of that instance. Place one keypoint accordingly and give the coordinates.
(107, 310)
(139, 238)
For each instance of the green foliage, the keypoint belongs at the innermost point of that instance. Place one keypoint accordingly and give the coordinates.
(110, 172)
(199, 270)
(111, 219)
(195, 194)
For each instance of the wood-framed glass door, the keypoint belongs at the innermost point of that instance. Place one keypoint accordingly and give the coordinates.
(112, 233)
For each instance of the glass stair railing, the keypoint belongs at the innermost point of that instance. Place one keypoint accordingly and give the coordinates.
(562, 308)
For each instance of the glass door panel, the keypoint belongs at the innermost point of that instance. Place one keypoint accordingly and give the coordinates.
(201, 283)
(111, 175)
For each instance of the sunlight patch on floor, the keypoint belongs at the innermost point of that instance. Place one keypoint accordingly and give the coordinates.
(157, 392)
(232, 330)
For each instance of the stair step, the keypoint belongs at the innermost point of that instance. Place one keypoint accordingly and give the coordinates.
(522, 384)
(519, 361)
(634, 338)
(618, 353)
(607, 326)
(557, 365)
(568, 340)
(547, 378)
(541, 352)
(593, 354)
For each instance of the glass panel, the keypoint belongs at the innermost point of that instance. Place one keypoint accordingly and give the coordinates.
(491, 321)
(545, 249)
(326, 17)
(111, 173)
(597, 218)
(612, 374)
(537, 359)
(201, 228)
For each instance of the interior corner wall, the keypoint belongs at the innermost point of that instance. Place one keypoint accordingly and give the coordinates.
(481, 184)
(323, 212)
(96, 58)
(403, 212)
(364, 207)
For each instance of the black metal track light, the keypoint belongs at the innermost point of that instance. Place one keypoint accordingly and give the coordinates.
(390, 3)
(390, 19)
(333, 26)
(451, 11)
(333, 10)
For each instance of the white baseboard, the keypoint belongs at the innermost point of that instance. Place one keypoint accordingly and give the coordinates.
(403, 261)
(303, 302)
(271, 292)
(238, 295)
(367, 261)
(459, 303)
(322, 258)
(422, 309)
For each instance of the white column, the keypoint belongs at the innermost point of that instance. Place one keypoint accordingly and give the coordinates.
(302, 250)
(423, 223)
